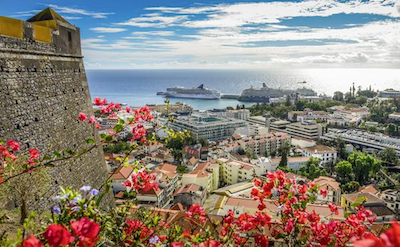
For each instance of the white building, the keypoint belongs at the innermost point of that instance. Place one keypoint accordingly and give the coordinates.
(325, 153)
(307, 114)
(392, 199)
(293, 162)
(208, 126)
(306, 129)
(242, 114)
(389, 93)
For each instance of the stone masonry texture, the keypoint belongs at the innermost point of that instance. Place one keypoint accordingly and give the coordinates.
(43, 87)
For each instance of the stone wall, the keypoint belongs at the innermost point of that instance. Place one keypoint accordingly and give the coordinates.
(43, 87)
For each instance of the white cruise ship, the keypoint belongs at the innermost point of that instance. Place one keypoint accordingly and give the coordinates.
(191, 93)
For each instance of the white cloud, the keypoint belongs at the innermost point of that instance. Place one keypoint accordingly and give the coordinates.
(240, 14)
(251, 35)
(154, 20)
(107, 29)
(72, 17)
(76, 11)
(157, 33)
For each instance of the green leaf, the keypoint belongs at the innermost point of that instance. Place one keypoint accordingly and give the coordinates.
(46, 157)
(90, 141)
(57, 154)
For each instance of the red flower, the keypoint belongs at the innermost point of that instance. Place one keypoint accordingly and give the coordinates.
(196, 211)
(92, 119)
(210, 243)
(13, 145)
(34, 152)
(57, 235)
(82, 116)
(324, 192)
(87, 242)
(32, 241)
(333, 208)
(86, 228)
(261, 240)
(98, 101)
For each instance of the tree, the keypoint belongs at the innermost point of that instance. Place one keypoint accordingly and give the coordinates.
(288, 102)
(344, 170)
(182, 169)
(338, 96)
(389, 156)
(250, 153)
(241, 151)
(341, 149)
(204, 142)
(284, 152)
(363, 166)
(391, 129)
(312, 169)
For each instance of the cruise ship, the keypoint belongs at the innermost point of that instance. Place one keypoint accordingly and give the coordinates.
(199, 92)
(264, 93)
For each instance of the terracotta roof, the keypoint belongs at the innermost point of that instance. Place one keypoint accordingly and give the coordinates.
(369, 189)
(320, 149)
(368, 197)
(167, 168)
(189, 188)
(321, 209)
(192, 161)
(327, 181)
(122, 172)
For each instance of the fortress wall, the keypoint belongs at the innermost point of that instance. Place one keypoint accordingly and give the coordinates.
(43, 87)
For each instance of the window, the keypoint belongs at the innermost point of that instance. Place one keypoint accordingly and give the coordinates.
(69, 36)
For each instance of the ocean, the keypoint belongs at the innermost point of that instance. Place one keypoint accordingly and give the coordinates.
(139, 87)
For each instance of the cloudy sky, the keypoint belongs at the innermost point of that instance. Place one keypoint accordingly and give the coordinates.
(127, 34)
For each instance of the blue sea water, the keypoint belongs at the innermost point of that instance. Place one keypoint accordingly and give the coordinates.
(139, 87)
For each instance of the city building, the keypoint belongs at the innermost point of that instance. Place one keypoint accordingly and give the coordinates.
(240, 205)
(252, 130)
(364, 140)
(389, 93)
(191, 151)
(332, 187)
(242, 114)
(292, 162)
(178, 107)
(190, 194)
(207, 126)
(119, 176)
(205, 174)
(307, 114)
(325, 153)
(371, 202)
(306, 129)
(262, 145)
(259, 120)
(345, 116)
(394, 117)
(167, 178)
(234, 171)
(278, 125)
(392, 199)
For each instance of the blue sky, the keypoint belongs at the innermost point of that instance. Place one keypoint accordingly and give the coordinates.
(128, 34)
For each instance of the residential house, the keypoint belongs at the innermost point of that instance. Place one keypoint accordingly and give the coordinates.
(190, 194)
(332, 187)
(325, 153)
